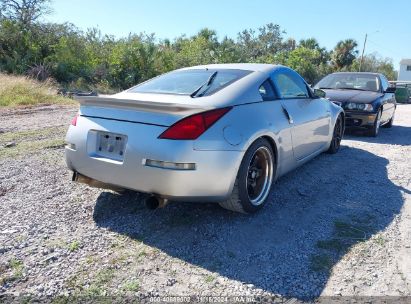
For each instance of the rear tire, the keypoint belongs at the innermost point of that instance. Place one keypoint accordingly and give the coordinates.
(254, 179)
(373, 132)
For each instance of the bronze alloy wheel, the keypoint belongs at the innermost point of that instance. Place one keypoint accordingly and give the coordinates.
(259, 176)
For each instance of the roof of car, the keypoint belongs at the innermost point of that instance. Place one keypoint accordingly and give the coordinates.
(255, 67)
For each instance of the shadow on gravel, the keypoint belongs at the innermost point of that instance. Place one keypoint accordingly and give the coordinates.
(315, 214)
(396, 135)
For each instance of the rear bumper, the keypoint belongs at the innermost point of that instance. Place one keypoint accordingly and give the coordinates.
(359, 120)
(211, 180)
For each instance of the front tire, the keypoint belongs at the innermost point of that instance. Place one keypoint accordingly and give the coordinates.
(254, 179)
(376, 127)
(390, 123)
(337, 136)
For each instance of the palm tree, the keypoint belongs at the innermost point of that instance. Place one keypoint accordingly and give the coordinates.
(344, 53)
(310, 43)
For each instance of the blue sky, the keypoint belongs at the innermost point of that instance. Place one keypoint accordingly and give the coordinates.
(387, 23)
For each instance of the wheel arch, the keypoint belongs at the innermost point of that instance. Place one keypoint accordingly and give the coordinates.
(271, 140)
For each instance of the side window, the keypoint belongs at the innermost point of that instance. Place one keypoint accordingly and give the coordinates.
(290, 86)
(384, 82)
(266, 91)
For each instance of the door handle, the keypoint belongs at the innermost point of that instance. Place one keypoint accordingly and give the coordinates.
(289, 117)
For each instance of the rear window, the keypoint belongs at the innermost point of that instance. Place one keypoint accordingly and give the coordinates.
(186, 82)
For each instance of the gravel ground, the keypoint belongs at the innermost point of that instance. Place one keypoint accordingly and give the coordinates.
(340, 225)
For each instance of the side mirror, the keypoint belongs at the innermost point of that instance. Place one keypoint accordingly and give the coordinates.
(319, 93)
(390, 90)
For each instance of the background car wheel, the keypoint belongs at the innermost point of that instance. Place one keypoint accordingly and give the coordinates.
(390, 123)
(376, 127)
(254, 179)
(337, 136)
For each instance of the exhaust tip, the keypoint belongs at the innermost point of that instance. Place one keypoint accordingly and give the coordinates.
(152, 202)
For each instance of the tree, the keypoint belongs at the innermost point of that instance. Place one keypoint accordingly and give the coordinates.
(303, 61)
(344, 53)
(25, 12)
(256, 46)
(310, 43)
(376, 64)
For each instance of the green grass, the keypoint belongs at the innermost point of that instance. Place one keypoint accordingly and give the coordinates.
(97, 283)
(98, 286)
(43, 133)
(142, 253)
(23, 91)
(345, 234)
(55, 243)
(380, 240)
(132, 286)
(31, 141)
(16, 266)
(73, 246)
(209, 278)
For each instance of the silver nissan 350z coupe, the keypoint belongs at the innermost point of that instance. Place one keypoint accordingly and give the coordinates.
(215, 133)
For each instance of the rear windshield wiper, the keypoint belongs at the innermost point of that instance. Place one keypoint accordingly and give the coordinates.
(205, 85)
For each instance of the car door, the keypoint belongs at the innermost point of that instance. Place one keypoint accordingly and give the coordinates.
(388, 100)
(309, 117)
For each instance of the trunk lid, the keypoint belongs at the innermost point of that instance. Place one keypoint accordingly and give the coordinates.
(123, 108)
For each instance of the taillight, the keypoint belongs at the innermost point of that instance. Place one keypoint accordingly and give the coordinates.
(74, 121)
(193, 126)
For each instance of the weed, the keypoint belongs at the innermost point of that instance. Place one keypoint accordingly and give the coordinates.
(380, 240)
(73, 246)
(209, 278)
(131, 286)
(141, 254)
(104, 276)
(17, 268)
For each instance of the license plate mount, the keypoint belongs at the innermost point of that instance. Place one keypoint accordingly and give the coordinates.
(110, 145)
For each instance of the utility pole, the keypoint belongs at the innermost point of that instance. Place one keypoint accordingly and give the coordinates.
(363, 49)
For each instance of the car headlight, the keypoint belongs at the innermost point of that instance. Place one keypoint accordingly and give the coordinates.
(360, 106)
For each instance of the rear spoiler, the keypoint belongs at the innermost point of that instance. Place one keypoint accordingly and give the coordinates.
(149, 106)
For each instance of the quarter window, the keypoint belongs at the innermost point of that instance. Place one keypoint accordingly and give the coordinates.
(408, 67)
(290, 86)
(266, 91)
